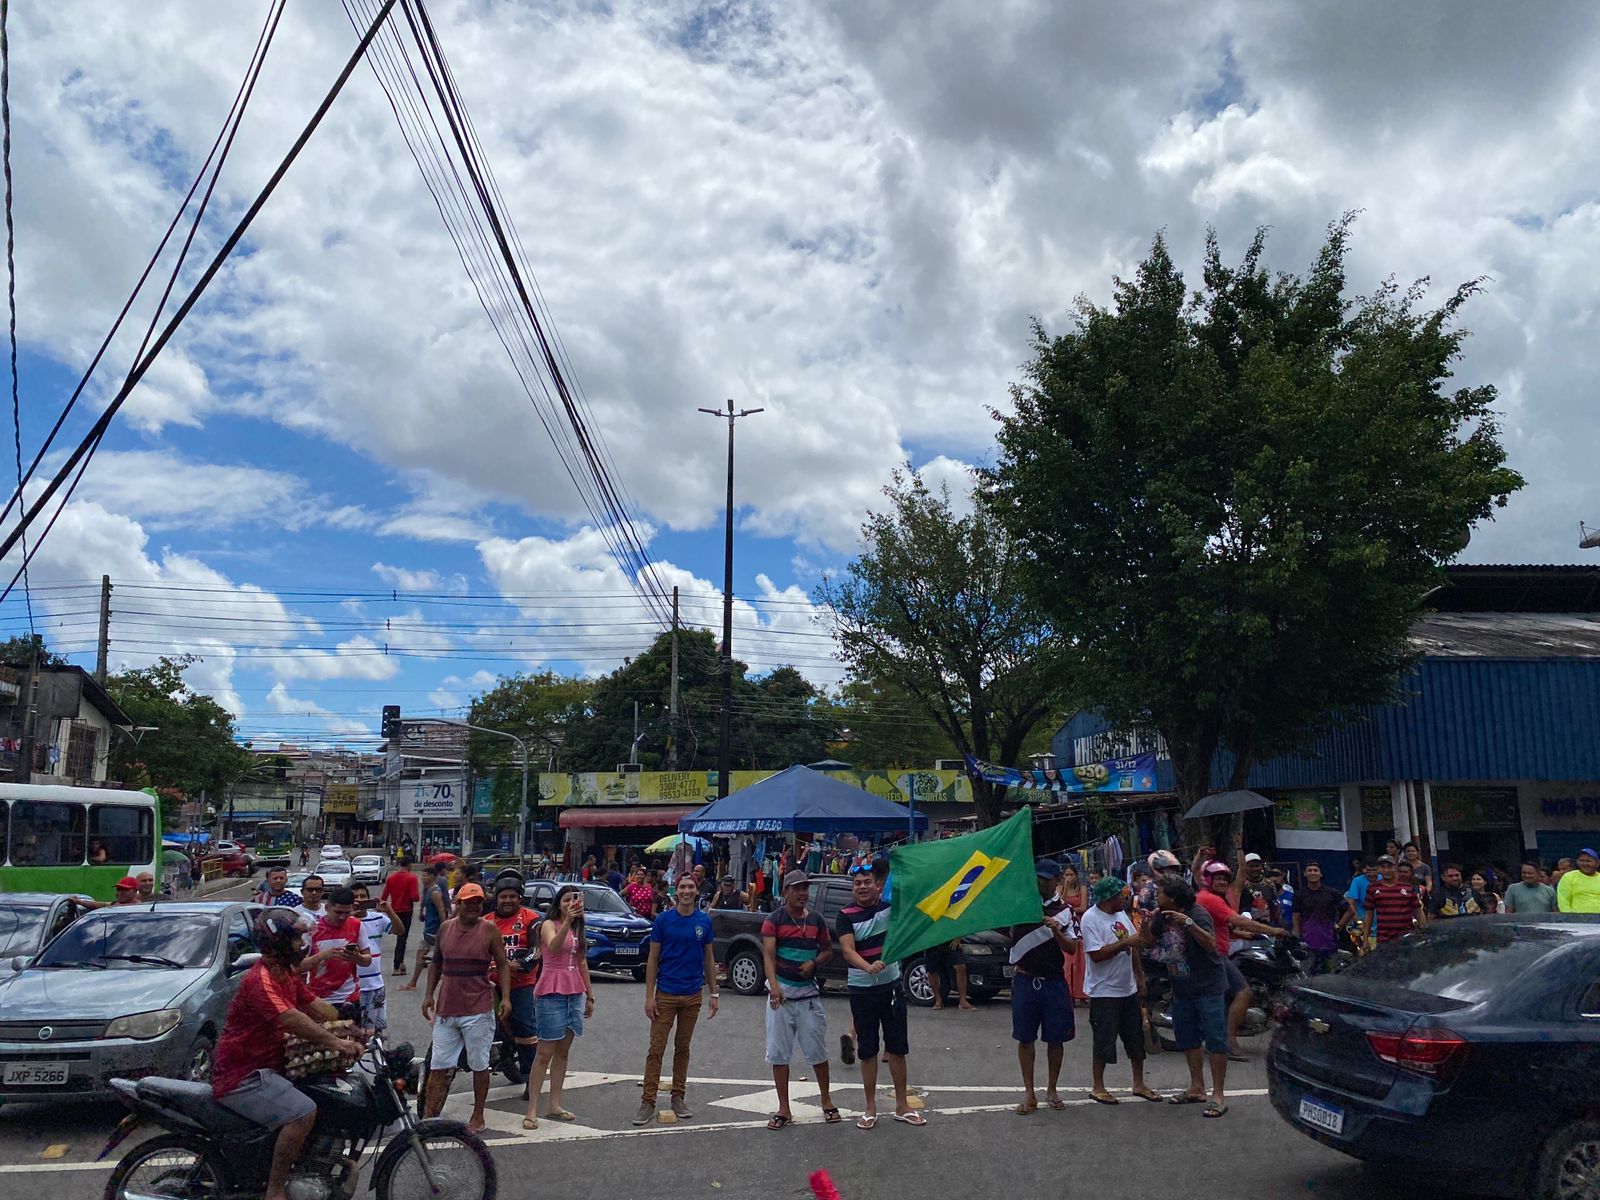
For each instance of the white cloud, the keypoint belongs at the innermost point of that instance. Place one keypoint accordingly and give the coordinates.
(284, 704)
(407, 579)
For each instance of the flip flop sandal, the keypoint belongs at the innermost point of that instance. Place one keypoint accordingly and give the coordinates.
(1185, 1098)
(831, 1116)
(911, 1118)
(1104, 1098)
(866, 1122)
(1058, 1103)
(560, 1114)
(1025, 1110)
(1213, 1109)
(1150, 1094)
(530, 1122)
(778, 1121)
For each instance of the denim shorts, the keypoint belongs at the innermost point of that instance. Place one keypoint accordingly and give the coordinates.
(555, 1014)
(797, 1023)
(1200, 1019)
(269, 1100)
(523, 1022)
(1041, 1006)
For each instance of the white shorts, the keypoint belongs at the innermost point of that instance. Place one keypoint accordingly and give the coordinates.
(375, 1009)
(797, 1022)
(451, 1035)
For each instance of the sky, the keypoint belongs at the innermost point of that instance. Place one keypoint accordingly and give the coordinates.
(332, 488)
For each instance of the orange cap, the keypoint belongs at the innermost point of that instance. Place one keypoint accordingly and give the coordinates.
(469, 891)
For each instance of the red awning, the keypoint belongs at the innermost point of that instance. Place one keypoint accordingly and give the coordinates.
(617, 818)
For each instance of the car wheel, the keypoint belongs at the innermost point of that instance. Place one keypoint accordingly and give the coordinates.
(918, 983)
(745, 973)
(1569, 1163)
(198, 1068)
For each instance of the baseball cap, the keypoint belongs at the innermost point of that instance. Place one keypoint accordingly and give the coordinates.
(1214, 867)
(795, 879)
(1385, 860)
(1162, 860)
(1108, 888)
(1252, 857)
(1585, 850)
(128, 881)
(1047, 868)
(469, 891)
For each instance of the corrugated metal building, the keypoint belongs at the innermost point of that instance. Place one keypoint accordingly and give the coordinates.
(1496, 733)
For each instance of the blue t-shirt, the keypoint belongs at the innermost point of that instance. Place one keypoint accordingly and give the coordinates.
(683, 941)
(1358, 893)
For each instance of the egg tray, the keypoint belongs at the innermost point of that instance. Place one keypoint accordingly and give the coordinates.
(303, 1059)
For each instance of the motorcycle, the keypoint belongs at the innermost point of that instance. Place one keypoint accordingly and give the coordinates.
(212, 1153)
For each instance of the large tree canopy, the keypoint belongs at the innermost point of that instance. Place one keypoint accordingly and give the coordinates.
(933, 609)
(191, 745)
(1235, 502)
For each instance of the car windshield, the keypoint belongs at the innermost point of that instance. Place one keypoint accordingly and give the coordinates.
(1467, 961)
(142, 942)
(603, 900)
(20, 928)
(366, 860)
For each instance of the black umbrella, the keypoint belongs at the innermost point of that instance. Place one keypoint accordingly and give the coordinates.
(1220, 804)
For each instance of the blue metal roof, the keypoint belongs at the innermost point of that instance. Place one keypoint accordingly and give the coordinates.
(1461, 719)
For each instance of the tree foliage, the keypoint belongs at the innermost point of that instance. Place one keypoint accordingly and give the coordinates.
(541, 708)
(19, 651)
(1236, 501)
(192, 746)
(934, 609)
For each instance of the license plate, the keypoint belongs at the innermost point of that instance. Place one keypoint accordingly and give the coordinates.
(1322, 1116)
(626, 952)
(1008, 971)
(23, 1074)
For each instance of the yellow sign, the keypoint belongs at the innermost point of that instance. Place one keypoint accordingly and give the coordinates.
(962, 888)
(582, 789)
(339, 799)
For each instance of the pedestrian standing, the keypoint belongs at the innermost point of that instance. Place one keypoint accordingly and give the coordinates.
(1393, 906)
(400, 893)
(795, 945)
(681, 963)
(469, 949)
(275, 891)
(435, 900)
(1041, 1005)
(311, 897)
(1185, 940)
(1579, 891)
(563, 999)
(1319, 913)
(638, 893)
(1530, 896)
(876, 1002)
(338, 949)
(369, 978)
(1115, 986)
(517, 924)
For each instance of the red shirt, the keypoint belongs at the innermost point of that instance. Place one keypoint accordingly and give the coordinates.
(401, 891)
(335, 978)
(252, 1038)
(1219, 910)
(641, 897)
(1396, 907)
(517, 931)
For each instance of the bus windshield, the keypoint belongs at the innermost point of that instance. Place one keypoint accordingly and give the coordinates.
(274, 839)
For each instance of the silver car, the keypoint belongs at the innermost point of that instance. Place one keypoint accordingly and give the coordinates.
(369, 869)
(140, 989)
(28, 920)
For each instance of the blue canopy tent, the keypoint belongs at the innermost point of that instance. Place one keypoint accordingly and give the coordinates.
(801, 800)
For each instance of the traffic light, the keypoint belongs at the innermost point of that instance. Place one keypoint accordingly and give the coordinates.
(391, 721)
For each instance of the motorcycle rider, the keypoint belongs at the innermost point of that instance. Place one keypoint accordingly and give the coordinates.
(1220, 899)
(516, 924)
(273, 999)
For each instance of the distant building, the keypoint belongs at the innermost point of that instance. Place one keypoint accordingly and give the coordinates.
(74, 722)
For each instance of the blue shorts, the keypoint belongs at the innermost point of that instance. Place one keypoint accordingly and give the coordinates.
(1041, 1006)
(523, 1022)
(556, 1015)
(1200, 1019)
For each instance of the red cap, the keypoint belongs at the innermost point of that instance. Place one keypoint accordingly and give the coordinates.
(128, 881)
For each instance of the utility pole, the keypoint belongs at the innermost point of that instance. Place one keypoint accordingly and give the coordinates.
(105, 631)
(672, 696)
(725, 729)
(633, 750)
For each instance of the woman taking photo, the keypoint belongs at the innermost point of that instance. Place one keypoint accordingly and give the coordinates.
(562, 999)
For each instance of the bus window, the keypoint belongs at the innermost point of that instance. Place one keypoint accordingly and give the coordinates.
(5, 812)
(128, 835)
(46, 834)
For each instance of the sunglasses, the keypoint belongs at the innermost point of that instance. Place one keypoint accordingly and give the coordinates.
(864, 869)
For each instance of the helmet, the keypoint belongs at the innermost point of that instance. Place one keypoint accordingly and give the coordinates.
(281, 933)
(1215, 866)
(508, 878)
(1162, 860)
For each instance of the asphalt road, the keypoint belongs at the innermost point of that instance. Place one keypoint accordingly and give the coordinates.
(963, 1064)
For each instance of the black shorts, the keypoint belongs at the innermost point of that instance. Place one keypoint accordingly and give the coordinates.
(1111, 1017)
(871, 1008)
(943, 958)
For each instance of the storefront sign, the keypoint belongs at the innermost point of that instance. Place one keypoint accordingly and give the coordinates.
(1136, 774)
(589, 788)
(1308, 809)
(339, 799)
(1377, 808)
(1468, 809)
(431, 799)
(1570, 807)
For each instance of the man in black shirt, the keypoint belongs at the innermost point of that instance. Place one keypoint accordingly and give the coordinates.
(1454, 898)
(1185, 940)
(1039, 999)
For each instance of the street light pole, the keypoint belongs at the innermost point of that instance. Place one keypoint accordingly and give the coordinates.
(725, 729)
(522, 810)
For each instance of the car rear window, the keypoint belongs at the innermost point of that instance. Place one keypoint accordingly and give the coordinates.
(1468, 961)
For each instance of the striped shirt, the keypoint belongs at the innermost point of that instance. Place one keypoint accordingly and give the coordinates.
(870, 926)
(374, 927)
(799, 940)
(1395, 907)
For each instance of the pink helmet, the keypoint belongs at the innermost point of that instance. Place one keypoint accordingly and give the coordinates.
(1215, 865)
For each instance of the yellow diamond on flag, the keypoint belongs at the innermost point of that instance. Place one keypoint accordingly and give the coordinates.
(962, 888)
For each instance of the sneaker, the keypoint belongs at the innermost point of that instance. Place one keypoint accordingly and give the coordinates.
(680, 1109)
(646, 1114)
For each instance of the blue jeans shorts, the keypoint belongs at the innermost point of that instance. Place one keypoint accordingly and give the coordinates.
(268, 1099)
(557, 1014)
(1041, 1006)
(1200, 1019)
(522, 1021)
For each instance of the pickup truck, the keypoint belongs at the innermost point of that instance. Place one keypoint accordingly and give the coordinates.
(737, 946)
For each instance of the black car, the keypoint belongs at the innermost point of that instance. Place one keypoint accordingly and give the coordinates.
(1470, 1048)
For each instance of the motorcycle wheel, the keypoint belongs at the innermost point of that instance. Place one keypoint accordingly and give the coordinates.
(1163, 1032)
(171, 1167)
(461, 1163)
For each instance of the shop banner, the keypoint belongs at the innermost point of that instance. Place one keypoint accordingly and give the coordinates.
(1308, 810)
(593, 788)
(1466, 809)
(339, 799)
(1377, 808)
(1136, 774)
(431, 799)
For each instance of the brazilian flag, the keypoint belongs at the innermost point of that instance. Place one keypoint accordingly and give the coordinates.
(961, 885)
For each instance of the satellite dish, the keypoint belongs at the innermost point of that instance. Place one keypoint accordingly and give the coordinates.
(1588, 539)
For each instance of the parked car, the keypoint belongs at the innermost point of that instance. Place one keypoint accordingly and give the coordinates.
(1410, 1056)
(123, 991)
(369, 869)
(619, 939)
(738, 950)
(28, 922)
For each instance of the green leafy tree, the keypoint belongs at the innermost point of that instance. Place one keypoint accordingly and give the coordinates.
(542, 709)
(782, 719)
(1235, 502)
(933, 608)
(192, 746)
(19, 651)
(881, 725)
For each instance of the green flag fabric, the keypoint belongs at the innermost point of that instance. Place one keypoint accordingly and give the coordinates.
(961, 885)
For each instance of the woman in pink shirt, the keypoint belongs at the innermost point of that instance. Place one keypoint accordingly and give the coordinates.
(562, 999)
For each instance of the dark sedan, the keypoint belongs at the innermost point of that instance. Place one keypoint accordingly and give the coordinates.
(1469, 1048)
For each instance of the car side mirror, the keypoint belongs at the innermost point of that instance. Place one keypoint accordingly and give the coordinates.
(243, 963)
(20, 962)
